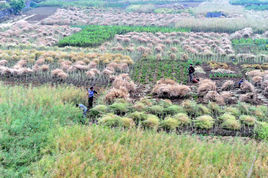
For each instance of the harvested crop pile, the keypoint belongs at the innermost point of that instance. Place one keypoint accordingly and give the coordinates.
(167, 88)
(205, 86)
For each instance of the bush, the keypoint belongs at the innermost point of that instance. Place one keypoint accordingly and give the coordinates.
(169, 123)
(156, 109)
(262, 130)
(204, 122)
(110, 120)
(138, 116)
(231, 124)
(248, 120)
(183, 119)
(173, 109)
(119, 108)
(152, 121)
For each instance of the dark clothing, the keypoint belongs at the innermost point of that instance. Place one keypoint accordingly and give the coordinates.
(191, 77)
(90, 98)
(191, 70)
(240, 82)
(90, 102)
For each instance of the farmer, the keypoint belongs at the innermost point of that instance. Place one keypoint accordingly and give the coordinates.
(240, 82)
(84, 109)
(191, 71)
(91, 93)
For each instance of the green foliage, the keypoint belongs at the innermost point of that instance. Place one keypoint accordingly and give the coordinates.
(139, 106)
(183, 119)
(98, 110)
(28, 116)
(203, 110)
(232, 110)
(152, 122)
(110, 120)
(156, 109)
(215, 108)
(173, 109)
(261, 113)
(227, 116)
(17, 5)
(262, 130)
(127, 122)
(231, 124)
(258, 5)
(248, 120)
(119, 108)
(138, 116)
(191, 107)
(95, 35)
(204, 122)
(169, 123)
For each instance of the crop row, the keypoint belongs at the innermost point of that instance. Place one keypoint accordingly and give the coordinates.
(252, 5)
(95, 35)
(189, 116)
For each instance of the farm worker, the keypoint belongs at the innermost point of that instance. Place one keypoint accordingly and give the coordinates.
(240, 82)
(91, 93)
(84, 109)
(191, 71)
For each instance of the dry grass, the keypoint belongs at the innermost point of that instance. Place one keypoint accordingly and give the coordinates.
(205, 86)
(95, 151)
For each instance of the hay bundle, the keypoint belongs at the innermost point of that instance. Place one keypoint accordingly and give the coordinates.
(124, 81)
(115, 93)
(205, 86)
(247, 87)
(248, 98)
(167, 88)
(213, 96)
(227, 85)
(228, 97)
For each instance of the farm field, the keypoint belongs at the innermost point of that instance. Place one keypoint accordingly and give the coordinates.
(148, 119)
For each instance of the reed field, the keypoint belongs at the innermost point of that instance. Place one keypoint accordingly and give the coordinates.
(147, 119)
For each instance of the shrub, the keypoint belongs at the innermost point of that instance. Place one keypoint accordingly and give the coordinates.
(127, 122)
(110, 120)
(183, 119)
(119, 108)
(232, 110)
(156, 109)
(16, 5)
(152, 121)
(204, 122)
(138, 116)
(173, 109)
(248, 120)
(262, 130)
(231, 124)
(226, 116)
(169, 123)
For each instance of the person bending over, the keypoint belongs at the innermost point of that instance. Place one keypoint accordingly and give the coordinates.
(84, 109)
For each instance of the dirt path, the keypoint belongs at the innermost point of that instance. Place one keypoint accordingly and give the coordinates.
(40, 13)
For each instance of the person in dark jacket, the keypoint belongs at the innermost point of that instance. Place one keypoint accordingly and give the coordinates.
(240, 82)
(191, 71)
(91, 93)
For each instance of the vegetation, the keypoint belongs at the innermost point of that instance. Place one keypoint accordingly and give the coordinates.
(252, 4)
(94, 35)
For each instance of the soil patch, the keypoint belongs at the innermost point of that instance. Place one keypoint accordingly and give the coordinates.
(40, 13)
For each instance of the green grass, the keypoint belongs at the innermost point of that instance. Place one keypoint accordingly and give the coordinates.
(95, 35)
(258, 5)
(28, 115)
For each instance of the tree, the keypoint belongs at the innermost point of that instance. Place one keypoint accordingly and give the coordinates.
(17, 5)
